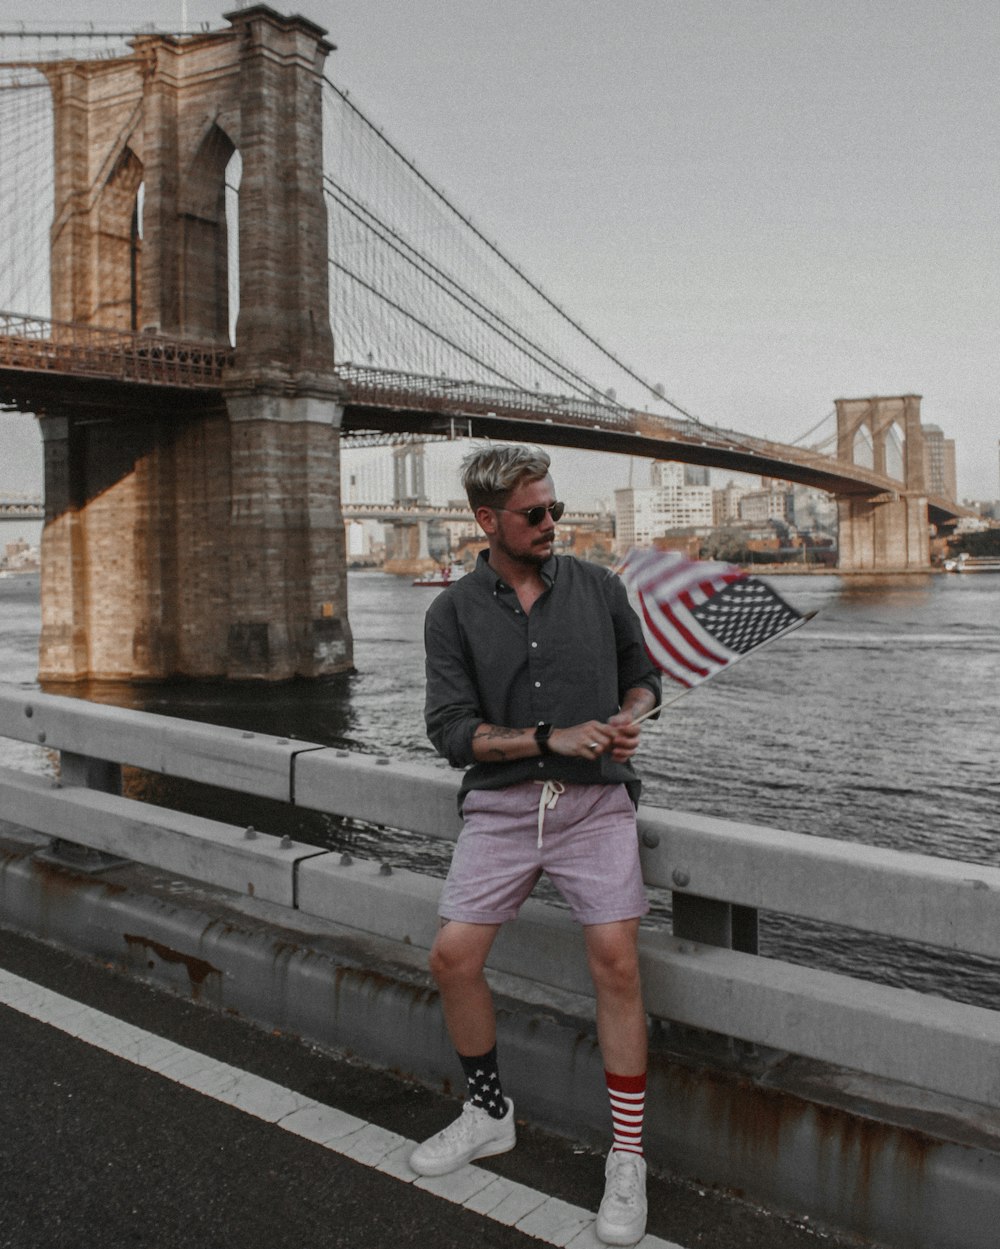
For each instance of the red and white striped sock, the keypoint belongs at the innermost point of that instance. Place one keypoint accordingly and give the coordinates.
(628, 1101)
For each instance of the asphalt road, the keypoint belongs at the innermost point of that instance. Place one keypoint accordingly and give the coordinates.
(96, 1151)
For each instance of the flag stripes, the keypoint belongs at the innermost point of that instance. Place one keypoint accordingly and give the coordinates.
(699, 616)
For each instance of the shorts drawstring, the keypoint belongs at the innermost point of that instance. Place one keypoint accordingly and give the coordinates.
(550, 796)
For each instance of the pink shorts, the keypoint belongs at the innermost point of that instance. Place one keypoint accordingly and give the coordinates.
(589, 850)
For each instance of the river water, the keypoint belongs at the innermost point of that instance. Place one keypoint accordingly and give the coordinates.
(878, 722)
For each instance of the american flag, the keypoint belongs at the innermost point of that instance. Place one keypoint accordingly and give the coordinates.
(699, 616)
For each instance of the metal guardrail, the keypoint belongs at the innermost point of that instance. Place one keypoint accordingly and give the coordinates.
(39, 345)
(720, 873)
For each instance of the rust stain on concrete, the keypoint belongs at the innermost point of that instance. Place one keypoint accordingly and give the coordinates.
(198, 969)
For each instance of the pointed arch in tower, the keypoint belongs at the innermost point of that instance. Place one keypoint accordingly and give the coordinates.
(204, 276)
(862, 448)
(115, 257)
(895, 451)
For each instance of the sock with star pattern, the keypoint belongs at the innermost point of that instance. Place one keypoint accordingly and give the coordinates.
(483, 1079)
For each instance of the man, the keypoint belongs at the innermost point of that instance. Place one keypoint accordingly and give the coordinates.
(536, 672)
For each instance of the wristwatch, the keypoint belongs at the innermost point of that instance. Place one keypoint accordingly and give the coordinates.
(542, 738)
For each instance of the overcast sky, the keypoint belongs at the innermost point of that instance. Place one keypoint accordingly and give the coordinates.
(763, 204)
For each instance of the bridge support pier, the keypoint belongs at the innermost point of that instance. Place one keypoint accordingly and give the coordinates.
(63, 651)
(287, 548)
(408, 548)
(882, 535)
(204, 541)
(203, 547)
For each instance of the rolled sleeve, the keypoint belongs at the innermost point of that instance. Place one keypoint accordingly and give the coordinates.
(635, 668)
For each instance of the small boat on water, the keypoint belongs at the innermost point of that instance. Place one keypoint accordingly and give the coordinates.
(973, 563)
(442, 576)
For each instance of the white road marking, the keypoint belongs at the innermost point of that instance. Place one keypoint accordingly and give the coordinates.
(545, 1218)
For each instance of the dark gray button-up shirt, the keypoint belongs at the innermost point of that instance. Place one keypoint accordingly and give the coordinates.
(571, 659)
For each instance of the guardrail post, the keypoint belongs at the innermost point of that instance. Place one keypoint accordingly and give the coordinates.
(711, 922)
(704, 920)
(81, 771)
(745, 929)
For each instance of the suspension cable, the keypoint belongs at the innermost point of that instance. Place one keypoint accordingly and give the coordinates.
(812, 429)
(412, 316)
(475, 306)
(438, 194)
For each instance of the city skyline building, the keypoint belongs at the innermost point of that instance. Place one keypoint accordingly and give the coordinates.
(726, 502)
(939, 462)
(644, 513)
(770, 502)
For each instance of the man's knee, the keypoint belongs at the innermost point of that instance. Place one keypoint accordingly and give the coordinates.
(614, 962)
(456, 956)
(617, 972)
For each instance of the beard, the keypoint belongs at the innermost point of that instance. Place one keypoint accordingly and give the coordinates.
(537, 554)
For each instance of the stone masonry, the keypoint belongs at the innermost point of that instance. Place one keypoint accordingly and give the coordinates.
(197, 543)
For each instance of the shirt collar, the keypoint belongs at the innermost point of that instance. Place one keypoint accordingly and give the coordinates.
(483, 570)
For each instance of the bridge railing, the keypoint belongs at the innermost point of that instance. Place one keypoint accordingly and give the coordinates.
(720, 873)
(394, 388)
(92, 351)
(22, 509)
(64, 347)
(369, 386)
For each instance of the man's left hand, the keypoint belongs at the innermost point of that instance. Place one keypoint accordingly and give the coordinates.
(625, 742)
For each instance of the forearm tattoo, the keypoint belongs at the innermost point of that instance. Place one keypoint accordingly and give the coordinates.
(495, 733)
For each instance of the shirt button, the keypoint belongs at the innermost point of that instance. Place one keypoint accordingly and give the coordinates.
(534, 644)
(541, 763)
(538, 685)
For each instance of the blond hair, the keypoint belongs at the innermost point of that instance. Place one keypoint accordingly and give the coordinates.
(490, 474)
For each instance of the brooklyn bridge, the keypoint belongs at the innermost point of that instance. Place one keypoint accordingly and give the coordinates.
(240, 271)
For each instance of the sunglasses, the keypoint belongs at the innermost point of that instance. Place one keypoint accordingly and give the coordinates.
(535, 515)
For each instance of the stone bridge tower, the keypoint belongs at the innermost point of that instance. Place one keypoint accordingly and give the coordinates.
(889, 531)
(186, 542)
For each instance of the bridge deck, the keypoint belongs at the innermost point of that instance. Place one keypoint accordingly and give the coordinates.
(44, 363)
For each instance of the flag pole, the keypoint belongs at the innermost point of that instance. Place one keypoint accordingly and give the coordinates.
(796, 624)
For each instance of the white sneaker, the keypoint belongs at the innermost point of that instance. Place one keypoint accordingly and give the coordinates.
(621, 1219)
(474, 1134)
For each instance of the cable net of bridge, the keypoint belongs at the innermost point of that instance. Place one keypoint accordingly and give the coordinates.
(26, 190)
(415, 287)
(26, 156)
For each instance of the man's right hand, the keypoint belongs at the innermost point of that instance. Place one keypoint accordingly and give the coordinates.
(582, 741)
